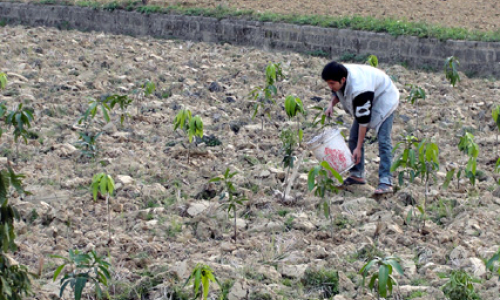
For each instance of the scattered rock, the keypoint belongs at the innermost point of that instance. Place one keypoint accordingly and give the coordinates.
(269, 272)
(215, 87)
(292, 271)
(239, 291)
(197, 208)
(125, 179)
(496, 193)
(230, 99)
(475, 266)
(109, 128)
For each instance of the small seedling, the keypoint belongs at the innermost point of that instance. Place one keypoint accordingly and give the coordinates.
(384, 276)
(149, 88)
(416, 93)
(20, 119)
(469, 147)
(417, 160)
(14, 277)
(289, 140)
(88, 144)
(193, 126)
(326, 280)
(123, 101)
(294, 106)
(460, 286)
(262, 95)
(320, 180)
(104, 184)
(493, 262)
(3, 81)
(87, 267)
(94, 106)
(233, 199)
(202, 275)
(451, 70)
(372, 60)
(496, 117)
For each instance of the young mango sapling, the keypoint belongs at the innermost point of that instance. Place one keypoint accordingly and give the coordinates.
(192, 126)
(320, 181)
(293, 107)
(104, 184)
(233, 199)
(266, 94)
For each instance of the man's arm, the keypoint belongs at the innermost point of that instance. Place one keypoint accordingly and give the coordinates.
(362, 107)
(333, 102)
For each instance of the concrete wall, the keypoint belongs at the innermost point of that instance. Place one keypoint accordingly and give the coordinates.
(479, 58)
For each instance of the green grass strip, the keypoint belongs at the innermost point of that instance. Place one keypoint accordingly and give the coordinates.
(388, 25)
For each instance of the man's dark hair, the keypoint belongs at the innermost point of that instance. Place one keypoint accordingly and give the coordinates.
(334, 71)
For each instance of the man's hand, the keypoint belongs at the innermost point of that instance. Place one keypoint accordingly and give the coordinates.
(329, 110)
(356, 155)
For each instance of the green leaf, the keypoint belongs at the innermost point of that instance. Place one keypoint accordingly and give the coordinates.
(197, 280)
(372, 61)
(205, 283)
(98, 291)
(389, 285)
(395, 265)
(326, 209)
(3, 81)
(79, 285)
(111, 185)
(371, 285)
(311, 177)
(491, 261)
(334, 173)
(5, 287)
(449, 178)
(408, 217)
(412, 158)
(105, 271)
(63, 286)
(383, 277)
(364, 270)
(104, 185)
(57, 271)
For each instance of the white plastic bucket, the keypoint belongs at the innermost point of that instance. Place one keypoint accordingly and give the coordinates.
(330, 146)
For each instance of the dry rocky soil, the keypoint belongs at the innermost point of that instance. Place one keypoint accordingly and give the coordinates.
(166, 217)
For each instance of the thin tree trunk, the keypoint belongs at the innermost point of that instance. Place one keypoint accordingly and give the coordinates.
(426, 192)
(235, 226)
(416, 105)
(288, 186)
(109, 230)
(287, 179)
(331, 217)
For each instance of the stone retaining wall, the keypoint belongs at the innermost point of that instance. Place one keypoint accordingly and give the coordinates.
(479, 58)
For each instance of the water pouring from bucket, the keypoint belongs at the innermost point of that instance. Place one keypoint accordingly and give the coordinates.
(331, 147)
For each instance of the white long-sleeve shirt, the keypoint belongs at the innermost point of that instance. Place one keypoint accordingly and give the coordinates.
(378, 96)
